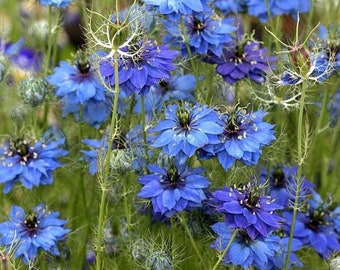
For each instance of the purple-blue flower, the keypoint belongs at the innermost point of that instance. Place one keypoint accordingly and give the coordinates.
(56, 3)
(315, 227)
(31, 164)
(78, 86)
(230, 6)
(246, 59)
(178, 6)
(243, 137)
(29, 232)
(178, 87)
(174, 188)
(281, 181)
(244, 250)
(141, 66)
(258, 8)
(246, 208)
(187, 129)
(202, 33)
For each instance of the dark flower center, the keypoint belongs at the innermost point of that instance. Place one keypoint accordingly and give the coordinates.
(317, 218)
(252, 196)
(82, 62)
(164, 85)
(172, 174)
(31, 222)
(22, 148)
(84, 67)
(198, 25)
(278, 177)
(183, 116)
(244, 235)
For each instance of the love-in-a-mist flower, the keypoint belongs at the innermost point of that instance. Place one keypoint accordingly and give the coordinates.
(243, 59)
(281, 181)
(79, 86)
(30, 163)
(27, 233)
(260, 8)
(244, 250)
(56, 3)
(178, 6)
(247, 208)
(315, 226)
(174, 188)
(202, 32)
(178, 87)
(185, 129)
(243, 137)
(140, 66)
(230, 6)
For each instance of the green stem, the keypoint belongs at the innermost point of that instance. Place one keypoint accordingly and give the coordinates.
(193, 243)
(144, 129)
(105, 181)
(299, 170)
(225, 250)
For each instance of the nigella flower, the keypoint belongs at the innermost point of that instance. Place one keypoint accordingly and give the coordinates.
(56, 3)
(282, 184)
(178, 6)
(259, 9)
(242, 139)
(230, 6)
(140, 66)
(240, 60)
(32, 164)
(178, 87)
(187, 129)
(29, 232)
(316, 227)
(246, 208)
(203, 33)
(278, 261)
(244, 250)
(77, 86)
(174, 188)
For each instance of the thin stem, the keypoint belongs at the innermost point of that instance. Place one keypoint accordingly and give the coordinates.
(225, 250)
(299, 170)
(105, 180)
(144, 129)
(193, 243)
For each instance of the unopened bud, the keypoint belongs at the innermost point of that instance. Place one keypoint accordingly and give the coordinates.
(33, 91)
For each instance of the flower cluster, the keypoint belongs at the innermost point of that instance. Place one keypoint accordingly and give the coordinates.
(29, 232)
(31, 164)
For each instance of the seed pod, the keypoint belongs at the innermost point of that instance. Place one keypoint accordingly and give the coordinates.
(33, 91)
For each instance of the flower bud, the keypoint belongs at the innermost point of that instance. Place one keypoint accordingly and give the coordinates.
(33, 91)
(159, 260)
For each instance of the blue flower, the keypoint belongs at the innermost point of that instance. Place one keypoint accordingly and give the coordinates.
(278, 261)
(244, 251)
(141, 66)
(203, 33)
(258, 8)
(245, 208)
(187, 129)
(178, 6)
(31, 164)
(242, 139)
(282, 184)
(79, 86)
(91, 156)
(178, 87)
(316, 227)
(243, 60)
(56, 3)
(29, 232)
(230, 6)
(173, 189)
